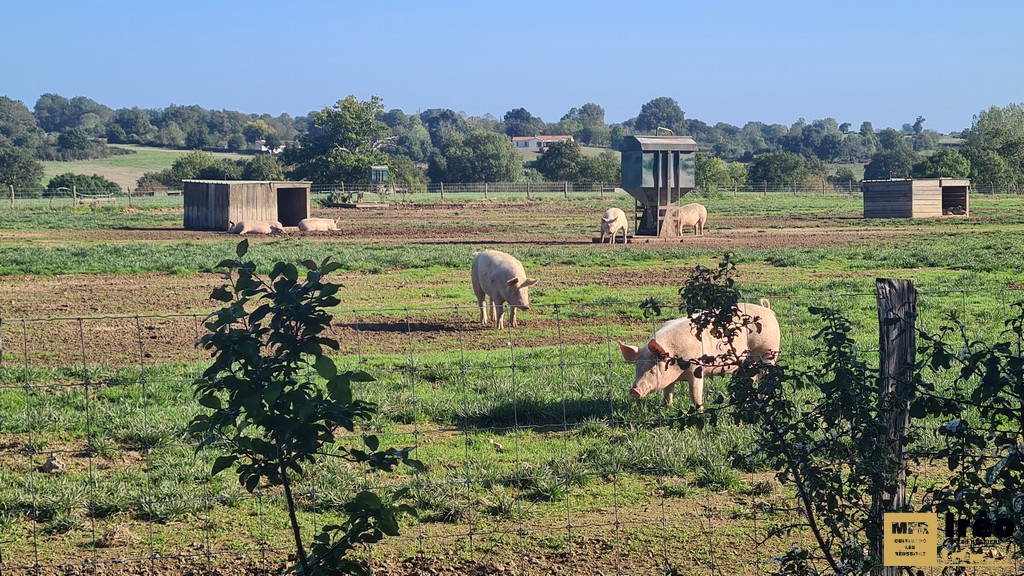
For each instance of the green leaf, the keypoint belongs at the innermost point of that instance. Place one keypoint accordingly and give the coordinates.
(241, 250)
(221, 294)
(372, 442)
(222, 463)
(325, 367)
(210, 401)
(339, 390)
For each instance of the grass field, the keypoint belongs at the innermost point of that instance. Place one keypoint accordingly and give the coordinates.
(539, 462)
(124, 169)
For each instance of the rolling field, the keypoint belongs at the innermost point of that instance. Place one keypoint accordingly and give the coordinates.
(538, 460)
(124, 169)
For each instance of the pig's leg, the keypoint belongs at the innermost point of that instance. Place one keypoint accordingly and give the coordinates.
(512, 316)
(670, 394)
(499, 314)
(480, 301)
(697, 389)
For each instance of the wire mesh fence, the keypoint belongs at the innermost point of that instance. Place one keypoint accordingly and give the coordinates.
(537, 459)
(341, 193)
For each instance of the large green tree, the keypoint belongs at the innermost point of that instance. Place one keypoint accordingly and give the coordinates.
(887, 164)
(946, 163)
(587, 124)
(20, 169)
(343, 141)
(561, 161)
(481, 156)
(131, 125)
(519, 122)
(777, 168)
(18, 127)
(565, 161)
(662, 111)
(56, 113)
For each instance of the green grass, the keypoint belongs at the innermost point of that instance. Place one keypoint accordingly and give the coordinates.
(124, 169)
(518, 429)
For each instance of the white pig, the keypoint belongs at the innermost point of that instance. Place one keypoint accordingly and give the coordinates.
(317, 225)
(674, 353)
(613, 221)
(695, 215)
(500, 277)
(255, 227)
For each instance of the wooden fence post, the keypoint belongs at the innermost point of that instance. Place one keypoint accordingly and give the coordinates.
(527, 189)
(74, 195)
(12, 196)
(129, 196)
(442, 191)
(485, 190)
(565, 189)
(897, 313)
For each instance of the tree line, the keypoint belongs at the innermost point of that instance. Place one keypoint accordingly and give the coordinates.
(337, 144)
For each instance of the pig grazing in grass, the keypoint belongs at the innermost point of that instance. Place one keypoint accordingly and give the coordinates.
(695, 215)
(613, 221)
(317, 225)
(255, 227)
(500, 277)
(676, 354)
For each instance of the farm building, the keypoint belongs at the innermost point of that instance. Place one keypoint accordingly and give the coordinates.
(925, 198)
(211, 204)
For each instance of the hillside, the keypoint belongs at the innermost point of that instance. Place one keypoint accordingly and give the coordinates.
(127, 168)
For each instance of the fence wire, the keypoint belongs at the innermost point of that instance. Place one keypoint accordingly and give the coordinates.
(13, 198)
(538, 460)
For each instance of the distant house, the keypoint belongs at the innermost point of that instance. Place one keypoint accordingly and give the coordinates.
(539, 142)
(261, 146)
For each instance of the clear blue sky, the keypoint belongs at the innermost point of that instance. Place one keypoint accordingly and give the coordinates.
(886, 62)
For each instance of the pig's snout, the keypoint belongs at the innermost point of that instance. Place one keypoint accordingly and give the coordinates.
(635, 393)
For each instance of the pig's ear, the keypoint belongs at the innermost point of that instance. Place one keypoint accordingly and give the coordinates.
(629, 353)
(529, 282)
(656, 348)
(513, 282)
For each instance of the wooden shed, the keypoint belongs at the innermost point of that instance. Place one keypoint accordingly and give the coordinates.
(211, 204)
(924, 198)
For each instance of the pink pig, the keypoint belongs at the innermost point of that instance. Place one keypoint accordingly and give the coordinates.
(674, 353)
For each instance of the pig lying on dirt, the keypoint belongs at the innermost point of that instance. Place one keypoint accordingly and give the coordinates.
(255, 227)
(500, 277)
(675, 352)
(317, 225)
(695, 215)
(613, 221)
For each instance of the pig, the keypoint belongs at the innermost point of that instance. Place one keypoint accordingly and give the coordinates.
(255, 227)
(674, 353)
(500, 277)
(613, 221)
(695, 215)
(317, 225)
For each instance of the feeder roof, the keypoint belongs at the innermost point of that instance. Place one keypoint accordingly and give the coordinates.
(652, 143)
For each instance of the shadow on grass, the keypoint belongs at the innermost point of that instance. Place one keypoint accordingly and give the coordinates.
(540, 415)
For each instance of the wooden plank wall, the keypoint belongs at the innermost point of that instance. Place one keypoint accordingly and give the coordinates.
(205, 206)
(888, 200)
(927, 199)
(252, 201)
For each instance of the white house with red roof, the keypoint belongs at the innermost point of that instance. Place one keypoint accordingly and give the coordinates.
(539, 142)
